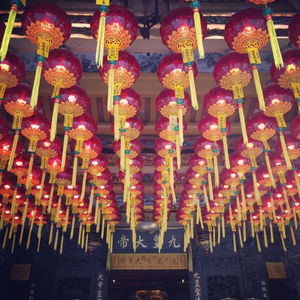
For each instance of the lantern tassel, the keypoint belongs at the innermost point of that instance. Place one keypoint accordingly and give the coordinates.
(100, 40)
(293, 236)
(122, 153)
(50, 234)
(72, 227)
(36, 84)
(295, 218)
(58, 209)
(83, 188)
(61, 248)
(271, 233)
(265, 238)
(199, 35)
(64, 152)
(50, 199)
(283, 243)
(178, 156)
(255, 187)
(284, 150)
(240, 237)
(30, 231)
(116, 122)
(54, 120)
(234, 241)
(297, 182)
(110, 93)
(193, 88)
(13, 150)
(226, 155)
(13, 244)
(214, 236)
(210, 243)
(42, 184)
(286, 199)
(5, 238)
(29, 170)
(91, 200)
(243, 124)
(258, 242)
(180, 125)
(56, 240)
(259, 92)
(219, 233)
(268, 164)
(252, 226)
(223, 227)
(172, 180)
(74, 174)
(206, 198)
(216, 169)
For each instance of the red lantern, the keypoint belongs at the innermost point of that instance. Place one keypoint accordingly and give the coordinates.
(62, 69)
(294, 30)
(47, 26)
(20, 167)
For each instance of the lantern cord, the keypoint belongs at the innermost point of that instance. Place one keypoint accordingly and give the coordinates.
(36, 84)
(219, 233)
(122, 153)
(278, 61)
(116, 122)
(61, 248)
(293, 236)
(216, 169)
(42, 184)
(100, 40)
(58, 209)
(268, 164)
(223, 227)
(79, 233)
(54, 120)
(8, 30)
(234, 241)
(50, 199)
(258, 242)
(29, 170)
(265, 238)
(244, 231)
(255, 188)
(271, 233)
(178, 156)
(210, 186)
(180, 125)
(110, 93)
(5, 238)
(13, 150)
(259, 92)
(214, 236)
(284, 150)
(199, 35)
(240, 237)
(64, 152)
(30, 231)
(206, 198)
(72, 227)
(243, 124)
(74, 173)
(193, 88)
(56, 240)
(297, 182)
(13, 244)
(83, 189)
(226, 155)
(282, 241)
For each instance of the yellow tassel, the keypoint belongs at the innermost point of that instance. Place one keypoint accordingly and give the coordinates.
(8, 30)
(293, 236)
(102, 227)
(50, 199)
(116, 122)
(66, 219)
(122, 153)
(252, 226)
(61, 248)
(283, 243)
(42, 185)
(268, 164)
(91, 199)
(210, 243)
(244, 231)
(180, 125)
(86, 242)
(193, 89)
(50, 234)
(259, 92)
(13, 150)
(258, 243)
(226, 155)
(240, 237)
(96, 219)
(54, 121)
(219, 233)
(99, 221)
(206, 198)
(36, 85)
(198, 29)
(11, 228)
(178, 156)
(72, 227)
(64, 152)
(128, 207)
(243, 124)
(285, 196)
(265, 238)
(29, 170)
(127, 173)
(172, 180)
(297, 182)
(100, 41)
(83, 186)
(25, 212)
(214, 236)
(243, 198)
(79, 234)
(13, 244)
(284, 150)
(5, 238)
(58, 209)
(21, 234)
(234, 241)
(13, 203)
(82, 237)
(295, 218)
(74, 174)
(29, 234)
(210, 186)
(283, 229)
(278, 61)
(216, 169)
(271, 233)
(255, 188)
(223, 227)
(110, 94)
(56, 240)
(238, 206)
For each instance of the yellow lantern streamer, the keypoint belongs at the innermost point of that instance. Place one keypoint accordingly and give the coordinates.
(54, 118)
(13, 150)
(178, 156)
(198, 29)
(110, 93)
(284, 149)
(216, 170)
(268, 164)
(293, 236)
(205, 195)
(259, 92)
(72, 227)
(242, 120)
(64, 152)
(56, 240)
(74, 173)
(226, 155)
(271, 233)
(192, 86)
(180, 125)
(83, 186)
(91, 200)
(61, 248)
(258, 242)
(116, 121)
(265, 238)
(240, 237)
(5, 238)
(234, 241)
(29, 170)
(36, 83)
(282, 241)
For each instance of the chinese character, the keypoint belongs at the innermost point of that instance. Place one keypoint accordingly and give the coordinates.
(172, 242)
(123, 241)
(100, 277)
(139, 242)
(155, 239)
(196, 276)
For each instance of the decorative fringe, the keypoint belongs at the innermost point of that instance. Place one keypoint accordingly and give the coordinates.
(295, 218)
(210, 186)
(116, 122)
(268, 164)
(74, 173)
(265, 238)
(102, 227)
(86, 242)
(13, 150)
(244, 231)
(206, 198)
(285, 196)
(271, 233)
(258, 242)
(243, 198)
(214, 236)
(259, 92)
(226, 155)
(193, 88)
(30, 231)
(210, 243)
(297, 182)
(50, 199)
(178, 156)
(13, 244)
(234, 241)
(240, 237)
(100, 40)
(255, 188)
(5, 238)
(8, 30)
(223, 226)
(110, 93)
(261, 220)
(282, 242)
(219, 233)
(198, 29)
(180, 125)
(42, 185)
(293, 236)
(58, 209)
(61, 248)
(122, 153)
(64, 152)
(242, 122)
(252, 226)
(79, 233)
(56, 240)
(54, 120)
(36, 85)
(238, 206)
(83, 186)
(172, 180)
(72, 227)
(199, 214)
(91, 200)
(29, 170)
(216, 169)
(284, 150)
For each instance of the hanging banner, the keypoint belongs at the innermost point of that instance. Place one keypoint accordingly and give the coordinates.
(148, 242)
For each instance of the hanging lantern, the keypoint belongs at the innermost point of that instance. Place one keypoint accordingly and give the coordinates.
(62, 69)
(198, 164)
(118, 75)
(115, 28)
(47, 26)
(208, 128)
(221, 200)
(246, 32)
(16, 103)
(294, 30)
(288, 77)
(232, 72)
(12, 72)
(231, 219)
(20, 167)
(32, 179)
(175, 75)
(36, 128)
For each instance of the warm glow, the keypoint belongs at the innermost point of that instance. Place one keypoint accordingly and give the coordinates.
(72, 98)
(60, 68)
(291, 147)
(5, 67)
(248, 30)
(127, 125)
(240, 162)
(168, 147)
(47, 144)
(289, 186)
(81, 127)
(19, 163)
(266, 176)
(261, 126)
(124, 101)
(221, 101)
(21, 101)
(213, 126)
(233, 175)
(275, 101)
(250, 145)
(7, 186)
(94, 163)
(207, 147)
(291, 68)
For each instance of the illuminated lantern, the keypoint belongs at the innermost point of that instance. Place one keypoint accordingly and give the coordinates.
(246, 32)
(35, 128)
(209, 218)
(17, 104)
(288, 77)
(19, 167)
(175, 75)
(3, 128)
(208, 128)
(7, 188)
(74, 102)
(198, 164)
(230, 219)
(62, 69)
(45, 150)
(170, 133)
(128, 106)
(118, 75)
(232, 72)
(219, 103)
(255, 224)
(262, 128)
(12, 72)
(115, 28)
(220, 199)
(38, 193)
(47, 26)
(294, 30)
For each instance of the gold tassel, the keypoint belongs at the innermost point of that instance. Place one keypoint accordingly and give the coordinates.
(56, 240)
(259, 92)
(21, 234)
(25, 212)
(102, 227)
(243, 198)
(283, 243)
(278, 61)
(268, 164)
(50, 199)
(83, 186)
(293, 236)
(238, 206)
(13, 244)
(285, 196)
(74, 174)
(42, 184)
(244, 231)
(297, 182)
(50, 234)
(271, 233)
(29, 170)
(261, 221)
(219, 233)
(72, 227)
(284, 150)
(5, 238)
(214, 236)
(58, 209)
(223, 227)
(66, 219)
(100, 40)
(64, 152)
(172, 180)
(178, 156)
(54, 120)
(11, 227)
(198, 29)
(265, 238)
(210, 243)
(252, 226)
(99, 221)
(61, 248)
(13, 203)
(206, 198)
(110, 94)
(210, 186)
(193, 88)
(234, 241)
(216, 170)
(240, 237)
(116, 122)
(226, 155)
(79, 234)
(36, 85)
(283, 229)
(86, 242)
(199, 214)
(128, 207)
(295, 218)
(242, 122)
(258, 242)
(96, 219)
(180, 125)
(91, 200)
(30, 231)
(13, 150)
(122, 153)
(255, 188)
(82, 237)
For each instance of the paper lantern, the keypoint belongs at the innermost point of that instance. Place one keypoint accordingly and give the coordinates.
(47, 26)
